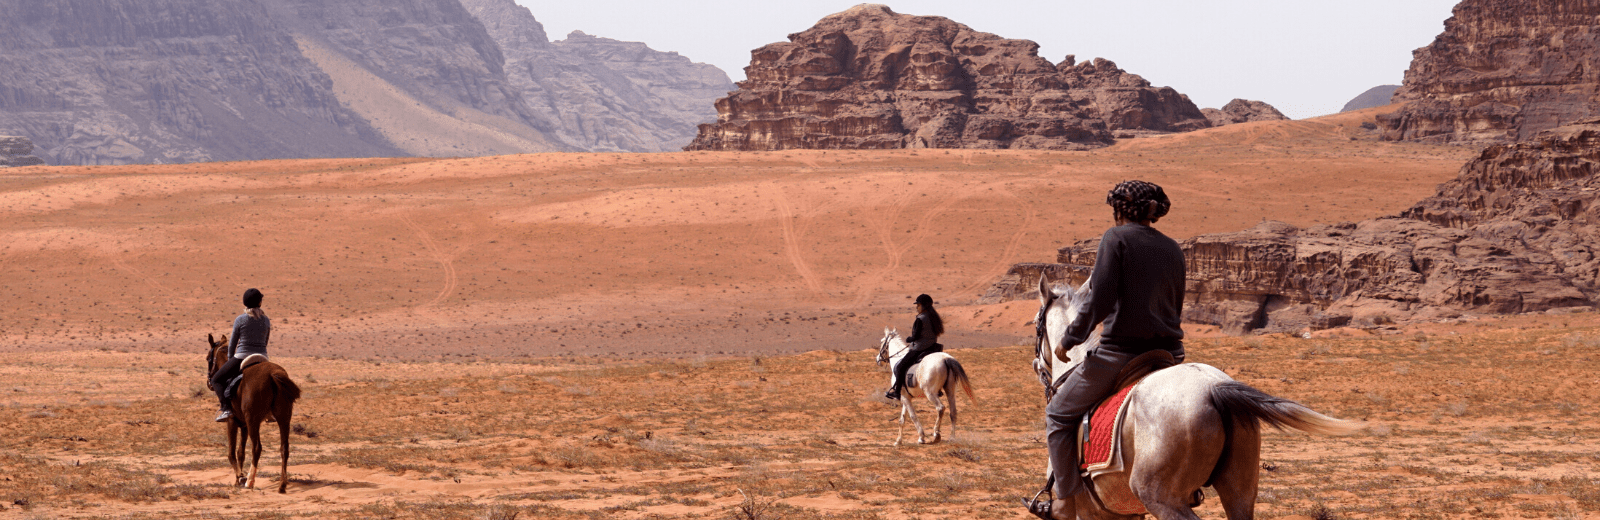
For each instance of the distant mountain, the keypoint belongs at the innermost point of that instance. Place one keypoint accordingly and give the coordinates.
(1374, 97)
(600, 94)
(161, 81)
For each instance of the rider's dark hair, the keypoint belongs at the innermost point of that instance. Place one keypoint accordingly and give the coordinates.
(925, 306)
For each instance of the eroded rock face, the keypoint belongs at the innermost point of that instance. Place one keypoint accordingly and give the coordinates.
(162, 81)
(599, 94)
(1515, 232)
(870, 78)
(1242, 111)
(17, 151)
(1502, 71)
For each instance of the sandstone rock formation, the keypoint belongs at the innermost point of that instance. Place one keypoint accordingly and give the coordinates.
(17, 151)
(158, 81)
(600, 94)
(1242, 111)
(1515, 232)
(1374, 97)
(872, 78)
(1502, 71)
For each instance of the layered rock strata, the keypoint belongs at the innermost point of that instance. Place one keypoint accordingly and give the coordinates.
(161, 81)
(1502, 71)
(1243, 111)
(1516, 232)
(600, 94)
(17, 151)
(870, 78)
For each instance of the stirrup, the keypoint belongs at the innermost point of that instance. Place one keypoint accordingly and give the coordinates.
(224, 416)
(1039, 509)
(1034, 505)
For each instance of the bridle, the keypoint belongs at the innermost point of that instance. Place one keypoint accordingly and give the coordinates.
(1042, 357)
(883, 349)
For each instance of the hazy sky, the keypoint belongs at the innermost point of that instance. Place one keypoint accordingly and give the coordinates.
(1306, 58)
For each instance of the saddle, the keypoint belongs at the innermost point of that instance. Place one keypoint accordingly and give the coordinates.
(233, 384)
(1100, 440)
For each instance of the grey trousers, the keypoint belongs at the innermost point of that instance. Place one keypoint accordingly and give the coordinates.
(1087, 384)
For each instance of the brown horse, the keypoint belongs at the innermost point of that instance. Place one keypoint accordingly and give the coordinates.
(266, 390)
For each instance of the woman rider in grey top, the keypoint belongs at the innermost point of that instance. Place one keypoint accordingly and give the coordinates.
(250, 333)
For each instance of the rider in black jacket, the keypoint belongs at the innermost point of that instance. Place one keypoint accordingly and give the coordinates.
(1137, 291)
(924, 340)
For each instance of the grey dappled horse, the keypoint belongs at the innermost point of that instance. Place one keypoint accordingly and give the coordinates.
(1187, 426)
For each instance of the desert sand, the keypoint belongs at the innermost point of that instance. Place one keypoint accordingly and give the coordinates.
(682, 335)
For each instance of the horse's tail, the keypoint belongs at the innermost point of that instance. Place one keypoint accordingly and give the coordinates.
(959, 375)
(1243, 405)
(286, 387)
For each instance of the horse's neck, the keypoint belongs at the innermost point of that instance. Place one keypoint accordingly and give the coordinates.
(898, 350)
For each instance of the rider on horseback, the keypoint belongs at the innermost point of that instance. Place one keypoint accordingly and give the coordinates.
(1137, 290)
(924, 338)
(250, 333)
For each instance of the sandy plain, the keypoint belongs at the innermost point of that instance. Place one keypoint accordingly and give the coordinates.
(681, 335)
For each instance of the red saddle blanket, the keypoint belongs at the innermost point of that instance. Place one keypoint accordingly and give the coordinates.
(1102, 429)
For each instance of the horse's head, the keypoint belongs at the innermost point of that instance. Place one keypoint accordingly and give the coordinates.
(891, 337)
(1058, 307)
(216, 355)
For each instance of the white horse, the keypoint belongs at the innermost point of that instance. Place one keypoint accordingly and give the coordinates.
(936, 375)
(1187, 426)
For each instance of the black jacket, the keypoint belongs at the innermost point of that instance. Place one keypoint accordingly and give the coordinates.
(1136, 288)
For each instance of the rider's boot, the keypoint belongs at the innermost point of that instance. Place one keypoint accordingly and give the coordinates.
(227, 412)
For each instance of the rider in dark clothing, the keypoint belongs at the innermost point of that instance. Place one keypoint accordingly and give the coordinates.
(924, 340)
(1137, 291)
(251, 331)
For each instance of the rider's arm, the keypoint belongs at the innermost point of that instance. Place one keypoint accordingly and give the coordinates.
(1103, 289)
(233, 339)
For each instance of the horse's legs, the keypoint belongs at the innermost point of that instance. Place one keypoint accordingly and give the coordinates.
(283, 442)
(1238, 477)
(1173, 460)
(906, 410)
(255, 451)
(938, 418)
(235, 453)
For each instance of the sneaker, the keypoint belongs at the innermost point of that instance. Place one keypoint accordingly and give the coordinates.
(224, 416)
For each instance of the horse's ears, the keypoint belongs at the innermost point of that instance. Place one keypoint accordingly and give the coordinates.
(211, 340)
(1044, 288)
(1084, 289)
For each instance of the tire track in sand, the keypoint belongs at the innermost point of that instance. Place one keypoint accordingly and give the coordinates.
(1003, 263)
(791, 237)
(868, 285)
(438, 255)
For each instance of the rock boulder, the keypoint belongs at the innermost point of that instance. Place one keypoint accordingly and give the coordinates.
(1243, 111)
(869, 78)
(17, 151)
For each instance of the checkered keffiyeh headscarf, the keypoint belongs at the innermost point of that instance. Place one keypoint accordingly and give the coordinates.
(1138, 201)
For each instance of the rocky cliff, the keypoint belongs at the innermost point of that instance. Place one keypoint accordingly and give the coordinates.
(600, 94)
(872, 78)
(1515, 232)
(1242, 111)
(1502, 71)
(17, 151)
(142, 81)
